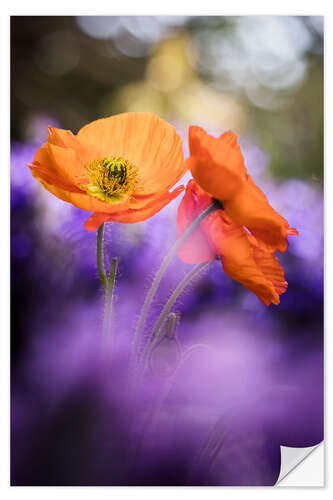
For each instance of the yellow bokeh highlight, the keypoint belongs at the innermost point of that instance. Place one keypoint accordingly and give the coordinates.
(169, 68)
(172, 89)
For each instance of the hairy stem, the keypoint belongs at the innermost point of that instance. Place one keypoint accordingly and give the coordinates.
(152, 340)
(157, 279)
(100, 255)
(108, 304)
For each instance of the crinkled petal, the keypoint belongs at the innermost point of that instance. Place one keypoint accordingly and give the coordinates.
(44, 174)
(56, 165)
(137, 215)
(66, 139)
(144, 139)
(66, 163)
(241, 256)
(270, 267)
(237, 254)
(82, 200)
(196, 247)
(250, 208)
(217, 164)
(95, 220)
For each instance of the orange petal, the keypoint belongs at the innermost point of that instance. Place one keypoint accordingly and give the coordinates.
(240, 261)
(62, 138)
(217, 164)
(144, 139)
(45, 174)
(66, 139)
(147, 141)
(271, 268)
(196, 247)
(138, 200)
(250, 208)
(241, 258)
(65, 162)
(82, 200)
(95, 220)
(57, 165)
(130, 216)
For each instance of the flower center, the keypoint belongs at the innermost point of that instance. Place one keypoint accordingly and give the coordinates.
(112, 179)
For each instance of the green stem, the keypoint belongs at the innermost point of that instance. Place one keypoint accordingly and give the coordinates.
(100, 256)
(108, 308)
(154, 338)
(157, 279)
(107, 281)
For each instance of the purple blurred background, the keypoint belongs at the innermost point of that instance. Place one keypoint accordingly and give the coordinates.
(259, 383)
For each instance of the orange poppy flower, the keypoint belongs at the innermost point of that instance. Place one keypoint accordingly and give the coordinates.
(218, 235)
(121, 167)
(217, 164)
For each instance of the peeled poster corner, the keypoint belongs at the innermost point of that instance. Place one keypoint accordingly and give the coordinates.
(302, 466)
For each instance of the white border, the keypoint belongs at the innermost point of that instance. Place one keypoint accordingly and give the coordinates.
(61, 7)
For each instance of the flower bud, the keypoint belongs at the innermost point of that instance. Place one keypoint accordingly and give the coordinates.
(166, 353)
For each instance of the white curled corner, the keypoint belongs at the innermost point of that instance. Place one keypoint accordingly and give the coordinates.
(302, 466)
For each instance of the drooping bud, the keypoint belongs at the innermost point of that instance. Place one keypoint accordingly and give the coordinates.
(166, 353)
